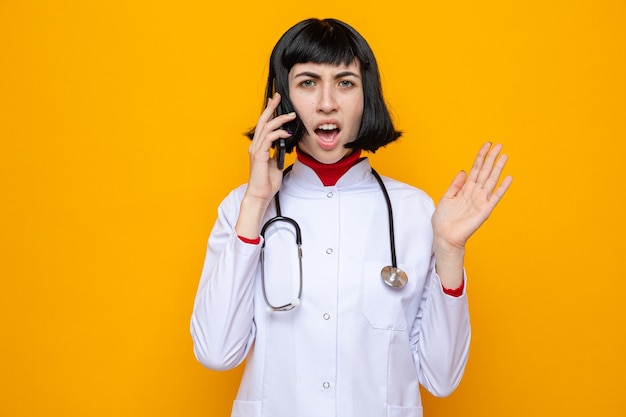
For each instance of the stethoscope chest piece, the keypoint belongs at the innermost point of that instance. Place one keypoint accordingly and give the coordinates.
(394, 277)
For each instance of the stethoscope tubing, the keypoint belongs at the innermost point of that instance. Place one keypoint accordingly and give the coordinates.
(296, 226)
(392, 275)
(392, 238)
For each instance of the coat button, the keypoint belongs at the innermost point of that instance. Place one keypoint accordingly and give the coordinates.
(329, 251)
(329, 195)
(326, 316)
(326, 385)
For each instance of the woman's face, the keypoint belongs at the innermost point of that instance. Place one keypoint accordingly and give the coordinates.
(328, 99)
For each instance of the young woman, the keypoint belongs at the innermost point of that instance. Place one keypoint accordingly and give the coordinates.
(370, 310)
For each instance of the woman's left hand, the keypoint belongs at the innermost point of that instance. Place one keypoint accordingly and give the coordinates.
(470, 199)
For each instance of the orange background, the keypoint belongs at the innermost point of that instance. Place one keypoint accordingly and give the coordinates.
(120, 132)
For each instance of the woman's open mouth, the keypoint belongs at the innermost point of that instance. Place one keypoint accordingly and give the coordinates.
(328, 135)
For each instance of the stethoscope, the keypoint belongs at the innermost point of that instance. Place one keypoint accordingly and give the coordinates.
(391, 275)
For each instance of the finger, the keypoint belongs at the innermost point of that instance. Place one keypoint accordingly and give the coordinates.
(478, 162)
(261, 151)
(278, 122)
(265, 141)
(272, 131)
(500, 191)
(488, 164)
(267, 132)
(456, 185)
(270, 109)
(496, 172)
(267, 114)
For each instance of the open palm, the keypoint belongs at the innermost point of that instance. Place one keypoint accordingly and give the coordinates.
(471, 198)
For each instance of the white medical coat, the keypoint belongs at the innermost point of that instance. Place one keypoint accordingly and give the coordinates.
(354, 347)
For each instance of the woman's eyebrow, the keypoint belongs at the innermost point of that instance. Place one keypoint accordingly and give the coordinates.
(316, 76)
(347, 74)
(308, 74)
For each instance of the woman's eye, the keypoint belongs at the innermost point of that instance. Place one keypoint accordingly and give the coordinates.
(308, 83)
(346, 83)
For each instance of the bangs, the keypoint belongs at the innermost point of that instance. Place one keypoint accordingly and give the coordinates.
(323, 43)
(332, 42)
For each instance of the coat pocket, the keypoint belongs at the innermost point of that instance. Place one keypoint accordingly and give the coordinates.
(384, 307)
(397, 411)
(246, 409)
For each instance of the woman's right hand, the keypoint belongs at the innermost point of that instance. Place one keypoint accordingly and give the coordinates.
(265, 177)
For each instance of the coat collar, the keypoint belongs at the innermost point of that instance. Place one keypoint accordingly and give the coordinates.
(301, 176)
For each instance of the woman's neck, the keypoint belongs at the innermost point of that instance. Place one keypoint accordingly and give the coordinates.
(329, 174)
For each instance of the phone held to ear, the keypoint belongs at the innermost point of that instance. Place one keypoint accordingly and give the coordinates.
(280, 145)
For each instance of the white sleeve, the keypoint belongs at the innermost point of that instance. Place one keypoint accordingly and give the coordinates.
(441, 338)
(222, 322)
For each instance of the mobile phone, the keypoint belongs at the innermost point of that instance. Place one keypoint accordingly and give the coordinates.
(280, 145)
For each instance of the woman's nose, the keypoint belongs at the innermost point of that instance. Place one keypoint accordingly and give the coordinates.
(327, 102)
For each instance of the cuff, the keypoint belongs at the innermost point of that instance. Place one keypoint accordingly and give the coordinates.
(255, 241)
(457, 292)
